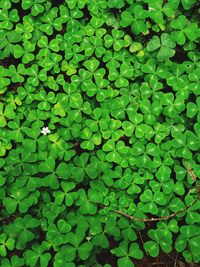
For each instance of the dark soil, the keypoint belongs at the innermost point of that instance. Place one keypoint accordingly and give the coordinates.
(163, 260)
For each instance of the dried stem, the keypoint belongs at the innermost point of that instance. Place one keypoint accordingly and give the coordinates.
(175, 262)
(133, 218)
(191, 173)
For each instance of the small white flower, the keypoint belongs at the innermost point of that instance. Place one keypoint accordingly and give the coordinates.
(45, 131)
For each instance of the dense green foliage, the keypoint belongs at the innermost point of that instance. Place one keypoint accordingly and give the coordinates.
(99, 111)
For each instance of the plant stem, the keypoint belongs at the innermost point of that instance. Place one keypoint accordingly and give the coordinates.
(164, 218)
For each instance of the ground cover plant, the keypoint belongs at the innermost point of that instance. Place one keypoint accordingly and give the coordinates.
(99, 132)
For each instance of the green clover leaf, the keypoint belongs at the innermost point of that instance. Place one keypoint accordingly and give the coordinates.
(38, 253)
(87, 201)
(65, 195)
(116, 150)
(126, 252)
(183, 30)
(136, 20)
(165, 44)
(160, 239)
(6, 243)
(36, 6)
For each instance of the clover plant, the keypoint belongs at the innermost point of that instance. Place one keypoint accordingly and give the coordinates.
(99, 132)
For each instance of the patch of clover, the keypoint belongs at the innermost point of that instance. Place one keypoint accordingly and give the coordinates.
(116, 168)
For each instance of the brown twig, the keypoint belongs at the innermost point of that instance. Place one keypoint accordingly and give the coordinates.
(142, 242)
(133, 218)
(175, 262)
(164, 218)
(191, 172)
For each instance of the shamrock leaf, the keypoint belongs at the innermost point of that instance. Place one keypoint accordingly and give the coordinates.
(165, 44)
(50, 20)
(35, 6)
(23, 228)
(5, 79)
(184, 143)
(19, 197)
(160, 239)
(36, 75)
(193, 109)
(7, 43)
(14, 261)
(52, 62)
(91, 139)
(126, 252)
(87, 201)
(58, 233)
(7, 18)
(115, 40)
(38, 253)
(183, 30)
(111, 129)
(47, 47)
(151, 200)
(24, 52)
(188, 240)
(45, 99)
(116, 150)
(136, 20)
(120, 78)
(6, 243)
(65, 195)
(6, 113)
(77, 245)
(188, 4)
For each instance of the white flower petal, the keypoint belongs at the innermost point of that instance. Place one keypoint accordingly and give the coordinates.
(45, 130)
